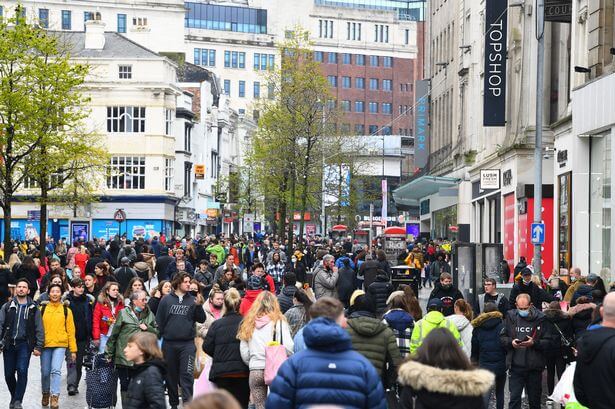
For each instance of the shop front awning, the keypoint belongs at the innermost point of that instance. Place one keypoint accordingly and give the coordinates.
(417, 189)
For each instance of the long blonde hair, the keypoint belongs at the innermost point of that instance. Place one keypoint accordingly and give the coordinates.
(265, 304)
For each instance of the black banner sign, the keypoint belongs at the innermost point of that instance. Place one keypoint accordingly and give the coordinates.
(494, 100)
(558, 10)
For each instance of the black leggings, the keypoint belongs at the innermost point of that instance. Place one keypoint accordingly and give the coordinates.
(238, 387)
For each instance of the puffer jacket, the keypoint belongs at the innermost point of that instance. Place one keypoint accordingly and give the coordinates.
(436, 388)
(433, 319)
(465, 331)
(581, 318)
(253, 351)
(402, 324)
(127, 324)
(59, 327)
(146, 388)
(296, 317)
(104, 316)
(328, 372)
(486, 347)
(379, 291)
(286, 297)
(222, 345)
(374, 340)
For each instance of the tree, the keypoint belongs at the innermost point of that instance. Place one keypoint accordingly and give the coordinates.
(39, 96)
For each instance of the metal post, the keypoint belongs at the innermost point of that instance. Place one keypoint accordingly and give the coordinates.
(540, 13)
(323, 215)
(371, 226)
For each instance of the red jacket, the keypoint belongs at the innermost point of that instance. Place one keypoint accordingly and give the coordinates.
(248, 300)
(103, 318)
(270, 282)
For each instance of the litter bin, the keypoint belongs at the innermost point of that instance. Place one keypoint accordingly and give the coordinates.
(403, 274)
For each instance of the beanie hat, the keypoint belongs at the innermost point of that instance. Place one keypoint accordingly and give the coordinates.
(364, 303)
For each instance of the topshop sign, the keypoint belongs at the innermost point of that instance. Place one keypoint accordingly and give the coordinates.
(494, 100)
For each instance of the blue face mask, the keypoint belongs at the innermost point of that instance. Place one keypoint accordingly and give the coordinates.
(523, 313)
(138, 309)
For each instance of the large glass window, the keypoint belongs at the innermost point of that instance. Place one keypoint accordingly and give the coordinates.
(242, 89)
(359, 106)
(600, 207)
(346, 82)
(257, 89)
(126, 172)
(332, 58)
(43, 18)
(226, 18)
(66, 20)
(359, 82)
(121, 23)
(168, 174)
(125, 119)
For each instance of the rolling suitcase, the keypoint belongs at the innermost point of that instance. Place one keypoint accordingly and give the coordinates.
(101, 384)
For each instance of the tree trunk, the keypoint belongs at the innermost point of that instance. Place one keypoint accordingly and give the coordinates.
(8, 250)
(291, 209)
(42, 246)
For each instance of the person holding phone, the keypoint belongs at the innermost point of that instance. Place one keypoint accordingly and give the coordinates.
(526, 339)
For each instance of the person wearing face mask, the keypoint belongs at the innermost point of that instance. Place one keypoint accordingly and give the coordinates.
(526, 340)
(576, 281)
(446, 293)
(298, 266)
(527, 286)
(133, 319)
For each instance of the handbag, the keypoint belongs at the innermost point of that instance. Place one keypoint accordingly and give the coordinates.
(567, 344)
(275, 355)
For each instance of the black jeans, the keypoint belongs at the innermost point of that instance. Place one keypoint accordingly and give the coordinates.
(179, 356)
(238, 387)
(74, 369)
(500, 383)
(555, 364)
(520, 378)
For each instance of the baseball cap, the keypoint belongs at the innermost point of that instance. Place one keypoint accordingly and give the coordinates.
(435, 302)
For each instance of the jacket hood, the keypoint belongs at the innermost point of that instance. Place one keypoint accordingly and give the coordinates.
(289, 290)
(487, 319)
(475, 382)
(160, 364)
(434, 317)
(262, 321)
(581, 307)
(399, 319)
(382, 277)
(15, 303)
(252, 294)
(367, 326)
(325, 335)
(556, 315)
(62, 302)
(591, 344)
(460, 321)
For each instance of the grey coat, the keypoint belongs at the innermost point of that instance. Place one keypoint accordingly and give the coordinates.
(325, 283)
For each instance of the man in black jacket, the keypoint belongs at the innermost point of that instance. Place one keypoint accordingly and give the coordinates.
(288, 292)
(124, 274)
(527, 286)
(447, 293)
(526, 339)
(379, 291)
(594, 376)
(21, 334)
(177, 313)
(162, 263)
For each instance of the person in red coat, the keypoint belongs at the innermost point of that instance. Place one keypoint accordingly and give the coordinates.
(106, 311)
(254, 288)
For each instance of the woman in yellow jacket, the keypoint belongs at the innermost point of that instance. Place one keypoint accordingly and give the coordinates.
(59, 335)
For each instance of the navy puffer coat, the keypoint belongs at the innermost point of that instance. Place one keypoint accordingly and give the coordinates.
(486, 346)
(328, 372)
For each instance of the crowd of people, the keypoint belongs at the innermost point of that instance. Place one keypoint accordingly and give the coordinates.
(318, 322)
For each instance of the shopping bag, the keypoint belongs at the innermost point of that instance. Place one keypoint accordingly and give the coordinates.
(275, 355)
(203, 385)
(563, 393)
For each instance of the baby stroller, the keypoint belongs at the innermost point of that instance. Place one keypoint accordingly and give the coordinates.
(101, 384)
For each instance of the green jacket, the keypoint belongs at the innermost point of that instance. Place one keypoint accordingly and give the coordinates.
(375, 341)
(433, 319)
(219, 251)
(127, 324)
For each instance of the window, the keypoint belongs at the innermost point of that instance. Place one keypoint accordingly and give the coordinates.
(325, 28)
(187, 178)
(168, 174)
(387, 62)
(270, 91)
(125, 72)
(346, 58)
(318, 56)
(373, 83)
(359, 83)
(227, 87)
(242, 89)
(88, 15)
(43, 18)
(373, 107)
(332, 58)
(271, 61)
(168, 121)
(330, 104)
(214, 165)
(387, 108)
(359, 106)
(345, 105)
(406, 36)
(242, 60)
(257, 89)
(126, 172)
(373, 60)
(359, 129)
(225, 18)
(381, 33)
(66, 20)
(332, 80)
(234, 59)
(187, 137)
(387, 85)
(197, 56)
(125, 119)
(387, 130)
(353, 31)
(205, 57)
(139, 21)
(346, 82)
(227, 59)
(373, 129)
(360, 59)
(263, 61)
(121, 23)
(345, 129)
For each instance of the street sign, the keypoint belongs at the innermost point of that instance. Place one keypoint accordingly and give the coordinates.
(119, 215)
(538, 233)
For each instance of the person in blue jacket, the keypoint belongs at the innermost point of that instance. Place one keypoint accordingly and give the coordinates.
(329, 371)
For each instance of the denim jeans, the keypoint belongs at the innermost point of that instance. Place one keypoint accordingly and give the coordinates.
(51, 369)
(16, 359)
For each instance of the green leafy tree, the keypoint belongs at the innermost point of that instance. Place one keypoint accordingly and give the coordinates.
(39, 97)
